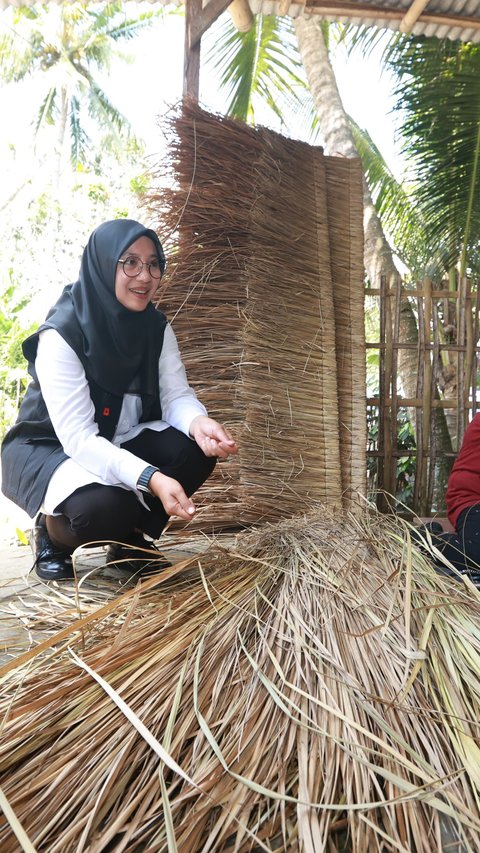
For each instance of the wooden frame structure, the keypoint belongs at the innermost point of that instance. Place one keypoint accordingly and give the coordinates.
(199, 17)
(448, 337)
(408, 17)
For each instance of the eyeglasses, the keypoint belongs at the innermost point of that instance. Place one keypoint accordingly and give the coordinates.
(133, 266)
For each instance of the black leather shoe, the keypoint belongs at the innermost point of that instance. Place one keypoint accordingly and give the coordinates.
(137, 556)
(50, 562)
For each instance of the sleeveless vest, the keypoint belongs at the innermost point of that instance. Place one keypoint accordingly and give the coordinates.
(31, 451)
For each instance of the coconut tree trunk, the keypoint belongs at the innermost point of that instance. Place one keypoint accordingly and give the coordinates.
(378, 257)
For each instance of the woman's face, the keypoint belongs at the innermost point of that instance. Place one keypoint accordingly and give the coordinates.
(136, 290)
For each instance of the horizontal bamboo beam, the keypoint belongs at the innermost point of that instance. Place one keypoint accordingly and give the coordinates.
(241, 15)
(413, 345)
(414, 403)
(357, 10)
(399, 454)
(436, 294)
(412, 15)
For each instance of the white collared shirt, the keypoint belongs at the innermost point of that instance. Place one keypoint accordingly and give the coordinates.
(94, 459)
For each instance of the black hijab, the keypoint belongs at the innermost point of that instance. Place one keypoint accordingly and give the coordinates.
(119, 349)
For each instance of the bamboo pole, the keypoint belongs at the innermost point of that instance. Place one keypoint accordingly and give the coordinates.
(389, 481)
(412, 15)
(394, 416)
(356, 12)
(419, 424)
(474, 348)
(241, 15)
(462, 375)
(433, 389)
(427, 399)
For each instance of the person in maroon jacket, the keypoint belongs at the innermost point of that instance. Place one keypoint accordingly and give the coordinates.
(462, 548)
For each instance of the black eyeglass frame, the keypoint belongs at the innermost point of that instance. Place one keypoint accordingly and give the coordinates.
(148, 264)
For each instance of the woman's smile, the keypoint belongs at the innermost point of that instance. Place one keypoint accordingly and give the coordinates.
(133, 289)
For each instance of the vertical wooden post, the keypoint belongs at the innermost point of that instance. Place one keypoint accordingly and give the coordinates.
(191, 62)
(426, 415)
(197, 22)
(420, 393)
(475, 336)
(386, 486)
(435, 367)
(463, 366)
(382, 399)
(394, 371)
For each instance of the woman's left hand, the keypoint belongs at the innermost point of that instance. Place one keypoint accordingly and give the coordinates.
(212, 437)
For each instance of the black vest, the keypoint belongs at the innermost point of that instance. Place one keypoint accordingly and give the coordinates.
(31, 451)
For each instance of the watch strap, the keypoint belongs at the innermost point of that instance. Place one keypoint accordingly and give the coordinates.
(145, 477)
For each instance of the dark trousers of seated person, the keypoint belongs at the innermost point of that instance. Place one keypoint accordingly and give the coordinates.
(97, 513)
(462, 548)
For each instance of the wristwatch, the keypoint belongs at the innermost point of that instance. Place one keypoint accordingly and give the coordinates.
(144, 479)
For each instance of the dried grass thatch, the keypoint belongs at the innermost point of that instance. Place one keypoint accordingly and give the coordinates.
(265, 292)
(314, 688)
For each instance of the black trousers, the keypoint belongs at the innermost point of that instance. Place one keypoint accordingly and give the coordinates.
(462, 548)
(98, 513)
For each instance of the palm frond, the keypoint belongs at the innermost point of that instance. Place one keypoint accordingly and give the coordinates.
(105, 112)
(439, 97)
(73, 41)
(48, 110)
(262, 63)
(438, 103)
(79, 141)
(315, 686)
(395, 204)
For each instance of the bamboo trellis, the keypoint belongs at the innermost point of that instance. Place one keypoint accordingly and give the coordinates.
(447, 350)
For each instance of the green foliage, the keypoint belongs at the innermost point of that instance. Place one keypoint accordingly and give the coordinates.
(395, 203)
(67, 46)
(438, 106)
(259, 66)
(139, 184)
(438, 97)
(13, 367)
(98, 192)
(406, 465)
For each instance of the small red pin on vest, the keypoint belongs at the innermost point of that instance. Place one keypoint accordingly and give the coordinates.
(106, 412)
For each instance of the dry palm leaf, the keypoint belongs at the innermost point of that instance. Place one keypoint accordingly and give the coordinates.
(316, 687)
(264, 289)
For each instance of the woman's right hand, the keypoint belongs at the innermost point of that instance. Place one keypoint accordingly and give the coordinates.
(172, 496)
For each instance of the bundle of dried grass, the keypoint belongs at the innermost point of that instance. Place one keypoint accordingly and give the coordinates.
(316, 688)
(265, 290)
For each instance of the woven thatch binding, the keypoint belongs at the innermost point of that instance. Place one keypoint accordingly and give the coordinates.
(265, 253)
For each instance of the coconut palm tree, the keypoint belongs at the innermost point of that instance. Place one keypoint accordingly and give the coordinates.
(438, 93)
(67, 47)
(259, 68)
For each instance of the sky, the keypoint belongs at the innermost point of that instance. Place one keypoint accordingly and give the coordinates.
(365, 91)
(152, 83)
